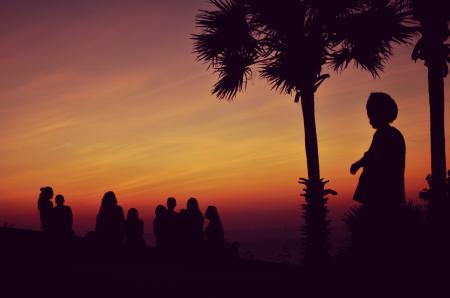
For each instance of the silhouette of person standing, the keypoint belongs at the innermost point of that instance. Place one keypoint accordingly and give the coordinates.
(183, 228)
(194, 224)
(62, 218)
(160, 228)
(215, 240)
(110, 220)
(134, 230)
(171, 204)
(173, 224)
(45, 206)
(382, 180)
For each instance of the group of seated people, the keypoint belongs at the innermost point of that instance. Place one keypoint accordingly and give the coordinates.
(172, 230)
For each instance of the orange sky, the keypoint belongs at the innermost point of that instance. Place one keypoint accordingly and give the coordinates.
(107, 95)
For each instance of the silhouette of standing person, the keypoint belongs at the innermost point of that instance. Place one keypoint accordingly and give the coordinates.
(173, 225)
(182, 228)
(134, 230)
(214, 236)
(381, 183)
(110, 220)
(62, 218)
(171, 204)
(160, 228)
(194, 224)
(45, 206)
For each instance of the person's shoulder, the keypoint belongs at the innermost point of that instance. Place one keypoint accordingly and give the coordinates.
(395, 132)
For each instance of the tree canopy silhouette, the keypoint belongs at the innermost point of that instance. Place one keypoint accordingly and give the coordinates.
(289, 42)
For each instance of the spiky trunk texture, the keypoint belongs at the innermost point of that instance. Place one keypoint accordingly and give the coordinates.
(315, 231)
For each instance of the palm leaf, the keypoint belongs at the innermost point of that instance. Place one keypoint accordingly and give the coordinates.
(366, 36)
(227, 45)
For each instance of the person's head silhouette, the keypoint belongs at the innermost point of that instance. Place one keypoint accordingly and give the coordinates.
(109, 199)
(192, 204)
(171, 203)
(59, 200)
(381, 109)
(46, 193)
(133, 214)
(211, 213)
(160, 211)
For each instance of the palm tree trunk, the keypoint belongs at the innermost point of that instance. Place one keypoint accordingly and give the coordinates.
(316, 228)
(309, 122)
(437, 129)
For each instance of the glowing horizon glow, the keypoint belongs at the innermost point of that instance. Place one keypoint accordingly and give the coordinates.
(99, 96)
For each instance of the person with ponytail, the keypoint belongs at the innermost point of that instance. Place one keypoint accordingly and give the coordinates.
(45, 207)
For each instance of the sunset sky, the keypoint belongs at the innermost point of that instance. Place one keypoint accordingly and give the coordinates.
(107, 95)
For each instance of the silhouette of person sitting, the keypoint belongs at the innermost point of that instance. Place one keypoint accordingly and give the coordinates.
(134, 230)
(194, 224)
(62, 218)
(45, 206)
(382, 180)
(160, 227)
(173, 224)
(110, 220)
(214, 236)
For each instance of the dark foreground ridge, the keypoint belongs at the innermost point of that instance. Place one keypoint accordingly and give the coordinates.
(33, 264)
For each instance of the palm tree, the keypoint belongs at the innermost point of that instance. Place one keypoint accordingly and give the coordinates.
(289, 42)
(433, 18)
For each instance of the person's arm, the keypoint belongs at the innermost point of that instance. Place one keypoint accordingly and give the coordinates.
(358, 164)
(367, 157)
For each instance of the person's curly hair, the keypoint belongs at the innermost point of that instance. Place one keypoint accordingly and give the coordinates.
(382, 107)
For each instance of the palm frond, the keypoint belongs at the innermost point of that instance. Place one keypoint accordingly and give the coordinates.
(234, 73)
(366, 37)
(226, 43)
(297, 63)
(284, 17)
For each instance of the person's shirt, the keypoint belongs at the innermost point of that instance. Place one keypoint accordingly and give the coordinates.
(62, 218)
(387, 150)
(384, 165)
(160, 226)
(44, 205)
(173, 224)
(195, 221)
(110, 220)
(214, 235)
(134, 228)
